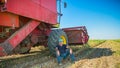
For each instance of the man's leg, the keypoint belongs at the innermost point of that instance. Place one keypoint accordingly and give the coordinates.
(71, 55)
(59, 58)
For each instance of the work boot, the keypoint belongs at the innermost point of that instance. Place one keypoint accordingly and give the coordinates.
(73, 62)
(60, 64)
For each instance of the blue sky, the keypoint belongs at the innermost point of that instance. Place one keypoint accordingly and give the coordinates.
(101, 17)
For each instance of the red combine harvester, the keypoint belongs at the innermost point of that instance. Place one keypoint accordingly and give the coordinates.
(24, 23)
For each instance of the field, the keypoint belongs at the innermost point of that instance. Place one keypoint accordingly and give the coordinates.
(95, 54)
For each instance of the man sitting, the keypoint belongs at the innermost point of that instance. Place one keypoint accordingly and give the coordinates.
(62, 51)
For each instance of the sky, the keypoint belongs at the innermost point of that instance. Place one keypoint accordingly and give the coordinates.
(101, 17)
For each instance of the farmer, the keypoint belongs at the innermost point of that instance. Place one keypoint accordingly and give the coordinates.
(62, 51)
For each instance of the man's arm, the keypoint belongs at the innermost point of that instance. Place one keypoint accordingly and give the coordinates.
(67, 47)
(57, 51)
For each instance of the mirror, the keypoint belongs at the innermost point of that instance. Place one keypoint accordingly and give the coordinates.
(65, 5)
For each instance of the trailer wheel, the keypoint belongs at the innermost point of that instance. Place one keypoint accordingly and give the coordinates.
(54, 37)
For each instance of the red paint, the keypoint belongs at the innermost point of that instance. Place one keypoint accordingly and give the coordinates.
(77, 35)
(0, 29)
(21, 34)
(8, 19)
(34, 35)
(42, 10)
(2, 1)
(38, 35)
(48, 32)
(1, 52)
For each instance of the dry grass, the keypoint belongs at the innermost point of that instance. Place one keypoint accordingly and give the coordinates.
(41, 55)
(14, 60)
(117, 65)
(115, 46)
(108, 61)
(93, 43)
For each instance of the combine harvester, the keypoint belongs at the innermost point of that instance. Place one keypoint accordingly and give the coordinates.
(24, 23)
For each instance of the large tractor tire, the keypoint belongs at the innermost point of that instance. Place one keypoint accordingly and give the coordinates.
(53, 38)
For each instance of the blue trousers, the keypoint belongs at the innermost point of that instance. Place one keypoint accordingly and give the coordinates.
(64, 56)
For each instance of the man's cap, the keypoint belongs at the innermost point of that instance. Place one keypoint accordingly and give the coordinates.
(60, 40)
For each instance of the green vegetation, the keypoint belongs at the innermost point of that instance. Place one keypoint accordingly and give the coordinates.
(117, 40)
(117, 53)
(76, 47)
(39, 52)
(115, 46)
(93, 43)
(117, 65)
(18, 59)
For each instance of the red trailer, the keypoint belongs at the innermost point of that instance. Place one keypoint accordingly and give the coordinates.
(24, 23)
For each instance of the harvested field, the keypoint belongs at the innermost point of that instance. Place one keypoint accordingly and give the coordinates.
(100, 54)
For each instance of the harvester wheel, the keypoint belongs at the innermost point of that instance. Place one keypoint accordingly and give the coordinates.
(54, 37)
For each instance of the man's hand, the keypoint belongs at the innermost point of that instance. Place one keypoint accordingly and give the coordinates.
(57, 51)
(67, 46)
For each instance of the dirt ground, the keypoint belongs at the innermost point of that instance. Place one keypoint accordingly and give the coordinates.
(102, 55)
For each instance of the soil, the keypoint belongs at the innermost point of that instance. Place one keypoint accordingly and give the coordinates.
(104, 55)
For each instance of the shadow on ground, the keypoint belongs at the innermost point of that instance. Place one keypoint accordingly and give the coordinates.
(89, 53)
(92, 53)
(23, 58)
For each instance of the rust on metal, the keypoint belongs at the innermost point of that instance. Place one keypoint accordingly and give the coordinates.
(18, 36)
(77, 35)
